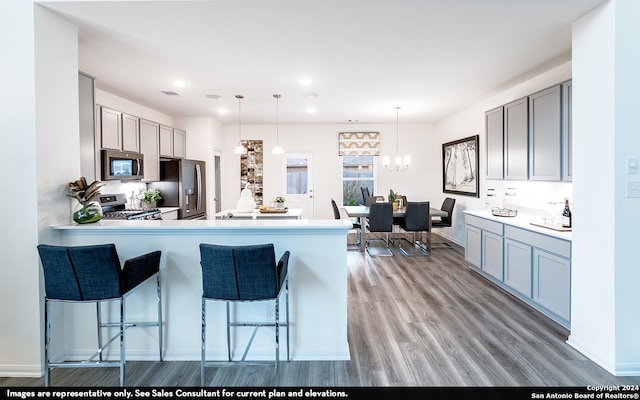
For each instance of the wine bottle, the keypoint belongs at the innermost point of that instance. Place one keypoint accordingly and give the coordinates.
(566, 215)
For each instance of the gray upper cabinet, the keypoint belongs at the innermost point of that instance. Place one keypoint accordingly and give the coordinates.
(150, 147)
(110, 129)
(494, 123)
(567, 139)
(545, 135)
(130, 133)
(516, 154)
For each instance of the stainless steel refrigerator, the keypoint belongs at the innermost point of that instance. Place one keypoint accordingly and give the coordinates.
(183, 184)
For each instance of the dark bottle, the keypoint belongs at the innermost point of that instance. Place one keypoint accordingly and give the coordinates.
(566, 215)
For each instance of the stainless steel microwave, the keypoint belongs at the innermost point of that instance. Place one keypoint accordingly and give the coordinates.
(122, 165)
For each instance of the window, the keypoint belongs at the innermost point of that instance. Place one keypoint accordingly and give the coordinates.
(357, 172)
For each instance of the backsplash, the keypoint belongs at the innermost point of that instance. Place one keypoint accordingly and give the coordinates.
(535, 198)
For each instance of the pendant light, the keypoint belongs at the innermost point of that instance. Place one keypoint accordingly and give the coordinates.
(277, 149)
(400, 163)
(239, 149)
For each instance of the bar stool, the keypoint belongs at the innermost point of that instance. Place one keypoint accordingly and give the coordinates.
(243, 274)
(93, 273)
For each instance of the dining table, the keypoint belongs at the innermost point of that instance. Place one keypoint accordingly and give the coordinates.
(362, 212)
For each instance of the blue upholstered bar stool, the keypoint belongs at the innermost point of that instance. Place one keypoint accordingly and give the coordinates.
(242, 274)
(94, 274)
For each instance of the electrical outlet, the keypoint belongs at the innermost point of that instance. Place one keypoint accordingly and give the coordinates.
(633, 188)
(271, 312)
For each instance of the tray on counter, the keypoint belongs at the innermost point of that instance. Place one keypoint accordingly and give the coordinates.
(273, 210)
(504, 212)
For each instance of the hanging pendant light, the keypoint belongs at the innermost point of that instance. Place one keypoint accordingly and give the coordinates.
(239, 149)
(400, 163)
(277, 149)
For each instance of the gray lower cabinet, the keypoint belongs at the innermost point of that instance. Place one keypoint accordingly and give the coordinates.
(492, 254)
(536, 268)
(517, 266)
(552, 282)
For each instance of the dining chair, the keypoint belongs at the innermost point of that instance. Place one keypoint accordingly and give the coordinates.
(416, 220)
(380, 220)
(444, 222)
(93, 274)
(365, 193)
(354, 223)
(236, 274)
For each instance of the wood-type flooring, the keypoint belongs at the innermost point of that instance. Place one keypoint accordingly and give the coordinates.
(412, 321)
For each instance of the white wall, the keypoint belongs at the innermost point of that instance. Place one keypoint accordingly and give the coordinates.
(322, 141)
(604, 326)
(19, 289)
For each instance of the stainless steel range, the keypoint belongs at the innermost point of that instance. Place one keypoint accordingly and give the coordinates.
(114, 207)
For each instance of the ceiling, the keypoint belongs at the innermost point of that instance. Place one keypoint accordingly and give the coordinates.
(432, 58)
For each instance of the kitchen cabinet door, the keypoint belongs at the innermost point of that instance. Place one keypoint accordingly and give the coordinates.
(545, 135)
(166, 141)
(492, 254)
(110, 129)
(552, 283)
(516, 140)
(473, 246)
(517, 266)
(567, 138)
(150, 148)
(130, 133)
(179, 143)
(494, 124)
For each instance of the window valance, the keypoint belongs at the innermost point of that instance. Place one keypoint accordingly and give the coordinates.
(359, 143)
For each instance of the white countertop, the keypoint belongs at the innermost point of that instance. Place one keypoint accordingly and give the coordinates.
(200, 225)
(168, 209)
(521, 221)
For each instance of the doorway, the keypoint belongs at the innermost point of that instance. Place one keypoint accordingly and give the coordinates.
(297, 176)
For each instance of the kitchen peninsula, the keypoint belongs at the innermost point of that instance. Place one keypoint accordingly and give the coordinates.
(317, 282)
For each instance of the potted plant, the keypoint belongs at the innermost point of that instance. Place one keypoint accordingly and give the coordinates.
(279, 202)
(393, 197)
(88, 210)
(149, 198)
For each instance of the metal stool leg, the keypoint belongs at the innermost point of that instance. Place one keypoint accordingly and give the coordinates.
(47, 342)
(203, 340)
(123, 344)
(159, 300)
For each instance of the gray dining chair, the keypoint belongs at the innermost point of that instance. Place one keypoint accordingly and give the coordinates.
(92, 274)
(416, 220)
(354, 223)
(380, 220)
(445, 222)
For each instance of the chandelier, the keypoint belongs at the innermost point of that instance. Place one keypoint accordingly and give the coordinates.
(400, 163)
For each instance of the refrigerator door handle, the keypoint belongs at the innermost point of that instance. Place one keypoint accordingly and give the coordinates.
(199, 180)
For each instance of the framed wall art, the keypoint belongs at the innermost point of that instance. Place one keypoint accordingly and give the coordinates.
(460, 164)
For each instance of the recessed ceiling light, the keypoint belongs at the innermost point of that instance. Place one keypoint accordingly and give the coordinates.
(311, 95)
(178, 83)
(222, 111)
(306, 81)
(311, 110)
(212, 96)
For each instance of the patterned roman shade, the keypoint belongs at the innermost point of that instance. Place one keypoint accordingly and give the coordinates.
(359, 143)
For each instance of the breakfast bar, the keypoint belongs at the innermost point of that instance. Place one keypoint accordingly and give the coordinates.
(317, 282)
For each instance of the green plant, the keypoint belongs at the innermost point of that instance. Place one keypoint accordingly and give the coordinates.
(392, 196)
(280, 199)
(149, 196)
(84, 193)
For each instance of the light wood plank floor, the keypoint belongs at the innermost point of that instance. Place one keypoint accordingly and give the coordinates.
(418, 321)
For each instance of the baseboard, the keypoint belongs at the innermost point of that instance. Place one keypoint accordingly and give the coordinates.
(21, 371)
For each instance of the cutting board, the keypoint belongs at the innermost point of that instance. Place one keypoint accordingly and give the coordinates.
(555, 227)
